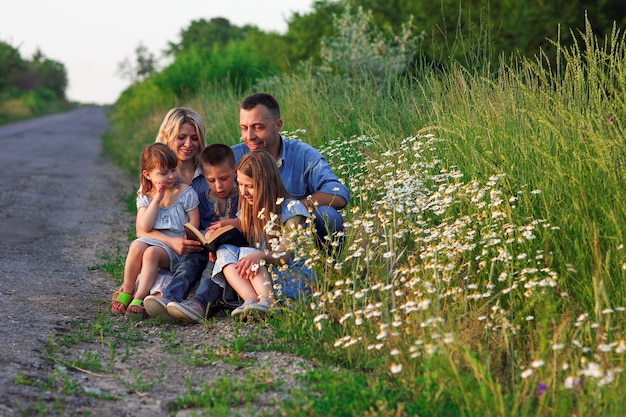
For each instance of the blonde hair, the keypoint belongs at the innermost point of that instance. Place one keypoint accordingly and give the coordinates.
(268, 188)
(174, 119)
(156, 155)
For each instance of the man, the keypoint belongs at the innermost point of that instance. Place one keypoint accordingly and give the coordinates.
(304, 171)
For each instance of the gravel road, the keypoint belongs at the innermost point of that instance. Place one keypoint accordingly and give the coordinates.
(61, 208)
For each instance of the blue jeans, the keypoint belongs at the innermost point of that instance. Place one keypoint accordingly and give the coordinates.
(208, 292)
(185, 276)
(327, 220)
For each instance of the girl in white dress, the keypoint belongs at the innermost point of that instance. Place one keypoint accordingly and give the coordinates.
(164, 204)
(246, 269)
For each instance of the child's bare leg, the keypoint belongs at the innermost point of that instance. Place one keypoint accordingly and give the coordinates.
(133, 264)
(154, 258)
(262, 284)
(242, 286)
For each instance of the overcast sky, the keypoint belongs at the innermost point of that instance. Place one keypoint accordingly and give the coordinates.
(91, 37)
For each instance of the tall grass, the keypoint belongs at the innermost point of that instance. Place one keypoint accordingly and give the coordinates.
(483, 266)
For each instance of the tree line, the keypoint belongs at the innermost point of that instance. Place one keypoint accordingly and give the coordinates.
(470, 32)
(336, 37)
(37, 82)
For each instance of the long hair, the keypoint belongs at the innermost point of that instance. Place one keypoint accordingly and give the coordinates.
(155, 155)
(174, 119)
(268, 188)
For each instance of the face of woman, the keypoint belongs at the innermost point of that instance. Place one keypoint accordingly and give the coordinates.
(187, 144)
(246, 187)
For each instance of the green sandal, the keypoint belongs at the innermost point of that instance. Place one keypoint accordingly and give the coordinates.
(136, 310)
(120, 301)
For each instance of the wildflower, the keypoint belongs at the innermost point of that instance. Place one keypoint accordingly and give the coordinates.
(320, 317)
(537, 363)
(396, 368)
(603, 347)
(542, 388)
(574, 384)
(526, 373)
(592, 370)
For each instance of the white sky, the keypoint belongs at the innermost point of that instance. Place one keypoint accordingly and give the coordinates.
(91, 37)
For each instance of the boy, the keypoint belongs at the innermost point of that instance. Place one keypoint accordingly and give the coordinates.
(218, 204)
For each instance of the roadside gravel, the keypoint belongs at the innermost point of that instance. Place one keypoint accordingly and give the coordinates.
(61, 209)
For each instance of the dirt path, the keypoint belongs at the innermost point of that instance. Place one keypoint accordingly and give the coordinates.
(60, 209)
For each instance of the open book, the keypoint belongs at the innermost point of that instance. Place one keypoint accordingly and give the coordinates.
(227, 234)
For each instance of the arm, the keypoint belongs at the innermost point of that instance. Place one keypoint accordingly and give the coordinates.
(323, 185)
(224, 222)
(279, 256)
(146, 215)
(194, 217)
(320, 198)
(178, 244)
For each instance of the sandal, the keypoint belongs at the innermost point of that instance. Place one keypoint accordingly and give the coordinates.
(120, 301)
(136, 310)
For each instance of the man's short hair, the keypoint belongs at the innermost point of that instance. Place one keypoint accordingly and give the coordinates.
(265, 99)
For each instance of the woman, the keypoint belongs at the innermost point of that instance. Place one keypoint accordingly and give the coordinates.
(183, 131)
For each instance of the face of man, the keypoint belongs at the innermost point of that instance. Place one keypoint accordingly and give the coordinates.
(260, 130)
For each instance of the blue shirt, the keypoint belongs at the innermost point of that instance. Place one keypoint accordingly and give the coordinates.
(199, 184)
(303, 169)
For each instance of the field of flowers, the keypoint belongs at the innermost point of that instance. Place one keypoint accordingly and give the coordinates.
(484, 263)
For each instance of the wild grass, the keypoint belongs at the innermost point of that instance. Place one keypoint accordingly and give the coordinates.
(484, 261)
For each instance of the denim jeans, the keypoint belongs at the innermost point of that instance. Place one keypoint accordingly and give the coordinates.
(327, 219)
(186, 275)
(208, 292)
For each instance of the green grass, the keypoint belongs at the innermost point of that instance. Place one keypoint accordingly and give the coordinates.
(484, 261)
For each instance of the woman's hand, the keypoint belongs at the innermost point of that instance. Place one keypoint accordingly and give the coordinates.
(248, 266)
(183, 246)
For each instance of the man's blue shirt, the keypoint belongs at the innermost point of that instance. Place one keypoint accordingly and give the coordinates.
(303, 169)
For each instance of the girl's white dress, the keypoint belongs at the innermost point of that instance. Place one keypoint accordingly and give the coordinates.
(294, 282)
(170, 220)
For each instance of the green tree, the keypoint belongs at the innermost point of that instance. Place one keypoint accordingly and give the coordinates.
(48, 75)
(361, 48)
(203, 34)
(145, 64)
(458, 30)
(11, 65)
(305, 31)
